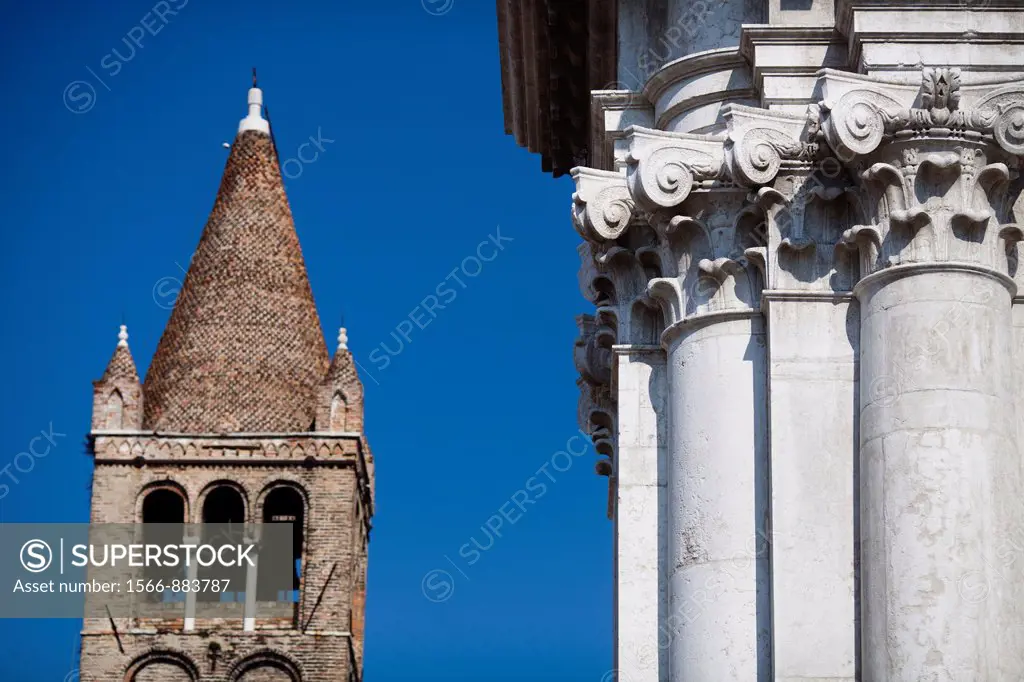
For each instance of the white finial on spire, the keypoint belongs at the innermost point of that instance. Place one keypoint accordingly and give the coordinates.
(255, 120)
(122, 336)
(342, 339)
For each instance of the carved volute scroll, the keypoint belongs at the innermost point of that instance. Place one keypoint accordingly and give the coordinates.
(663, 168)
(602, 207)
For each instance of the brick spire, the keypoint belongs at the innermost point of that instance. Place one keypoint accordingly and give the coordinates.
(243, 350)
(121, 365)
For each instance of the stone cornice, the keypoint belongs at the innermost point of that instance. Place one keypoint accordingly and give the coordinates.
(611, 113)
(978, 35)
(140, 449)
(786, 59)
(691, 65)
(846, 9)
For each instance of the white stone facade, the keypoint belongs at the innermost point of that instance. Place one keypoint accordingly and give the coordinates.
(806, 364)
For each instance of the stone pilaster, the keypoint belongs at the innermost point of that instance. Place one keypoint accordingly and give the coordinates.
(812, 344)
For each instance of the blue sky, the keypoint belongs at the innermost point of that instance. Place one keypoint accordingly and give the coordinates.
(108, 176)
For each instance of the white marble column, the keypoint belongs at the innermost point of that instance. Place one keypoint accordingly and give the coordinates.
(813, 329)
(1018, 354)
(940, 475)
(718, 610)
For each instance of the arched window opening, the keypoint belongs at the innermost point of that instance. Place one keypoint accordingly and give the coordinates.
(286, 505)
(224, 506)
(113, 418)
(163, 519)
(339, 412)
(163, 505)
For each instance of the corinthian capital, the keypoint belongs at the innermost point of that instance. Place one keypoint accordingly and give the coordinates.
(937, 167)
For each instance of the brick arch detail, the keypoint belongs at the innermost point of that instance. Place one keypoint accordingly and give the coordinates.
(161, 655)
(267, 657)
(281, 482)
(223, 482)
(162, 484)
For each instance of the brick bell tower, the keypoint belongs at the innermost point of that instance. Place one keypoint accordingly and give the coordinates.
(243, 418)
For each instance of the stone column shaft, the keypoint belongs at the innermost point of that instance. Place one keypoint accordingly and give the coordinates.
(940, 476)
(718, 611)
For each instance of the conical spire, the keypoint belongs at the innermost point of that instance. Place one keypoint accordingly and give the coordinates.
(243, 350)
(121, 365)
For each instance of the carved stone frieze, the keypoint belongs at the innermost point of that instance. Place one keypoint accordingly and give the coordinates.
(806, 215)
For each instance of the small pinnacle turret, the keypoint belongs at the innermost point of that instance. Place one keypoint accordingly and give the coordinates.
(121, 365)
(117, 396)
